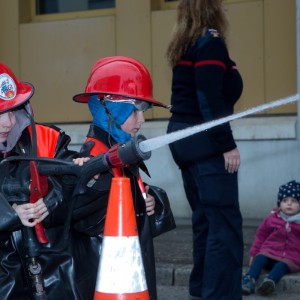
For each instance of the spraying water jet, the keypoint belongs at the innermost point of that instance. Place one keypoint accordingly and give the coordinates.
(160, 141)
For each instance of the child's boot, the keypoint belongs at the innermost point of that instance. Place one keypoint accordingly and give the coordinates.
(267, 287)
(248, 285)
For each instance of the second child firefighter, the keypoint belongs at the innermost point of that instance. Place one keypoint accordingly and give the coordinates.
(118, 91)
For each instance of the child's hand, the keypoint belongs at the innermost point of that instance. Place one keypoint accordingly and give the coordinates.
(31, 214)
(80, 161)
(150, 202)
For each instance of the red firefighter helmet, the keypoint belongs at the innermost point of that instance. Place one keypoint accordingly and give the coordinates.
(119, 76)
(13, 92)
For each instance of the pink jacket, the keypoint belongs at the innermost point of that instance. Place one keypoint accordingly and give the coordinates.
(278, 239)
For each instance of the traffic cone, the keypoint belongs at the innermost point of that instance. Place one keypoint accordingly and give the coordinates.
(121, 273)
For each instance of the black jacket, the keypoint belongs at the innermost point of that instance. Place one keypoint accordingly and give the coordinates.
(66, 260)
(95, 222)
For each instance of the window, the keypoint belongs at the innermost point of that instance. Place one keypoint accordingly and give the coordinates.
(44, 7)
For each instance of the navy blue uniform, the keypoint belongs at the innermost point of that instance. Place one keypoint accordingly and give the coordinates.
(205, 87)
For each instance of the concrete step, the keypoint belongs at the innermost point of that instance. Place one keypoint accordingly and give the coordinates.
(173, 251)
(178, 275)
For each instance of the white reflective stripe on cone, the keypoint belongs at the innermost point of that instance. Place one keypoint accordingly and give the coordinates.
(121, 267)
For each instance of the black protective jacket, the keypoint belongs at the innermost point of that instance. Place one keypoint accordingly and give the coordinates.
(100, 190)
(66, 262)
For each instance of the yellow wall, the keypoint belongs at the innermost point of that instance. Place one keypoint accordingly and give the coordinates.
(57, 55)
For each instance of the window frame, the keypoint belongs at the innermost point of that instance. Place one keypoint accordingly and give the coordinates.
(68, 15)
(173, 3)
(163, 5)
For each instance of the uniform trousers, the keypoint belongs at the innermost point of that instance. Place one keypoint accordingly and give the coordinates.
(217, 234)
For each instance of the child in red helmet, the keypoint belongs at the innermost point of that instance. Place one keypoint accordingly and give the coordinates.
(118, 91)
(12, 122)
(30, 269)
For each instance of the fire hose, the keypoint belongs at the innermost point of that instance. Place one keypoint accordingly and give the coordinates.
(118, 156)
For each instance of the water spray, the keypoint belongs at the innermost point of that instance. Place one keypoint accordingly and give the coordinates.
(160, 141)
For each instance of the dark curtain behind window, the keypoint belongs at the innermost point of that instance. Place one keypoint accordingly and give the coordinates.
(52, 6)
(46, 7)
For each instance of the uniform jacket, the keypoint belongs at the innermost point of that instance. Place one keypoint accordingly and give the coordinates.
(205, 86)
(278, 239)
(100, 189)
(64, 269)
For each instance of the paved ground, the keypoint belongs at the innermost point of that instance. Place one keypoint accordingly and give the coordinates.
(173, 252)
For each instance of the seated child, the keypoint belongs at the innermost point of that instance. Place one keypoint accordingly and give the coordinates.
(276, 246)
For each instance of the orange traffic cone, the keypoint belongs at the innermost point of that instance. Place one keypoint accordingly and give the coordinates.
(121, 273)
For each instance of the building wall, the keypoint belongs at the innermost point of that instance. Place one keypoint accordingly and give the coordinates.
(56, 55)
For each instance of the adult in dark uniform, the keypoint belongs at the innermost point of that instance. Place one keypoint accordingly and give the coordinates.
(205, 86)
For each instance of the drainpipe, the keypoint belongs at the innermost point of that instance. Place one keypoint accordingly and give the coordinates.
(298, 64)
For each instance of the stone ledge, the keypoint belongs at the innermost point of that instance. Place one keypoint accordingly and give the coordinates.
(178, 275)
(265, 128)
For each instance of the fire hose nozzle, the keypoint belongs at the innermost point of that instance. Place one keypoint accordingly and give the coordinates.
(119, 156)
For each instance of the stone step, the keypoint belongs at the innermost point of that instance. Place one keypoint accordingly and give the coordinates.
(178, 275)
(173, 251)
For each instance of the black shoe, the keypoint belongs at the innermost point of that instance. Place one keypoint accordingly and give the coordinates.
(267, 287)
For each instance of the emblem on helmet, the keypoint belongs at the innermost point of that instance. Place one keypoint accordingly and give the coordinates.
(8, 87)
(13, 92)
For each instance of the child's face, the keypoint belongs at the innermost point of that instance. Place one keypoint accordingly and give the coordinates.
(134, 122)
(7, 122)
(290, 206)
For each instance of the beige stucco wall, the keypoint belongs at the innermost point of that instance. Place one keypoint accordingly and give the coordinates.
(57, 55)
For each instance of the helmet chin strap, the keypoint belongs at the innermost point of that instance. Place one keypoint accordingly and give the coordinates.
(33, 130)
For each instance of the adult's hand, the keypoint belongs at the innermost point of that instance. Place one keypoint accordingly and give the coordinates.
(232, 160)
